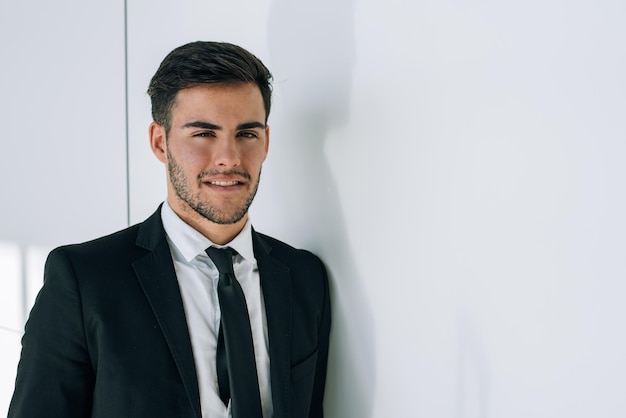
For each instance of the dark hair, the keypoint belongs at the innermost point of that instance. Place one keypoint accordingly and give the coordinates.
(205, 62)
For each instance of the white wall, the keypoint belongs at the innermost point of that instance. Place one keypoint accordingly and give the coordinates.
(63, 157)
(457, 166)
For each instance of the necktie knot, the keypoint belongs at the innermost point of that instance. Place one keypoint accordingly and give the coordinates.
(222, 258)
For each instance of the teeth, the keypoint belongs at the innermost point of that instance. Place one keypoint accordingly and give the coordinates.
(225, 183)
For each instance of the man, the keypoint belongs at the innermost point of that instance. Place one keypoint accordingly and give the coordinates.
(140, 323)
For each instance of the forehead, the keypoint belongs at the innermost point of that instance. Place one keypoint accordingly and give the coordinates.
(236, 101)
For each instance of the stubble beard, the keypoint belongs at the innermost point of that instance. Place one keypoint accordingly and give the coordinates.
(201, 206)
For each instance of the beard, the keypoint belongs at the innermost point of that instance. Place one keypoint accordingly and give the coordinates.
(204, 207)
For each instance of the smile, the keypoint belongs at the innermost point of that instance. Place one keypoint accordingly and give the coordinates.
(224, 183)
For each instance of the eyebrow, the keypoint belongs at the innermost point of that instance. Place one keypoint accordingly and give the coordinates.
(208, 125)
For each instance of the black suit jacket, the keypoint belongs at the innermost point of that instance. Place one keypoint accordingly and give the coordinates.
(107, 336)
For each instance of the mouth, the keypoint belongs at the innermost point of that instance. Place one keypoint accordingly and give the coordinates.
(224, 183)
(226, 180)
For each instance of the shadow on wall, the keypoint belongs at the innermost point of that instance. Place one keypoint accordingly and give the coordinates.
(312, 50)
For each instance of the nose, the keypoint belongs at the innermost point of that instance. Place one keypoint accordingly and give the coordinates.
(227, 153)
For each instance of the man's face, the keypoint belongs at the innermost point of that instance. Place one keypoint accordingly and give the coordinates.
(214, 150)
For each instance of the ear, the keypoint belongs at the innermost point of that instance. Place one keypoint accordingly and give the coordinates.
(156, 131)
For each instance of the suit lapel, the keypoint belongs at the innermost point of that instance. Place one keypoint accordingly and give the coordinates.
(157, 276)
(276, 288)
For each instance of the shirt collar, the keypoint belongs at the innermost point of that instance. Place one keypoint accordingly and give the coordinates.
(192, 243)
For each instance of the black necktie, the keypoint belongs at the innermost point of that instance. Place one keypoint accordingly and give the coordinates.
(236, 367)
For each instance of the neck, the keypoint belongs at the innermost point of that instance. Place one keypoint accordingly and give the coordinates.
(219, 234)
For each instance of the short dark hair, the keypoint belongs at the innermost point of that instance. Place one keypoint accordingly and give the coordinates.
(201, 62)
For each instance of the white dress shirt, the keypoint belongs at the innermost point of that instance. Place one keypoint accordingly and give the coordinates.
(197, 279)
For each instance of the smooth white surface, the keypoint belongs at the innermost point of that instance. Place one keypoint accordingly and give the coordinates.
(458, 166)
(63, 121)
(9, 356)
(63, 159)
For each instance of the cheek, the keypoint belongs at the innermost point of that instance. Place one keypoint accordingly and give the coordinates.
(255, 157)
(253, 164)
(191, 157)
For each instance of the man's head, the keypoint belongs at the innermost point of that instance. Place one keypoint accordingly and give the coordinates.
(210, 103)
(200, 62)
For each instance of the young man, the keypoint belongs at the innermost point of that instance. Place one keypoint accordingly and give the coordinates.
(191, 313)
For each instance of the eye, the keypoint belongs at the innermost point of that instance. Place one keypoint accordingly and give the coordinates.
(248, 134)
(204, 134)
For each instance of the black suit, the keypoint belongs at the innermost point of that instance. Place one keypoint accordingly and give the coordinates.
(108, 338)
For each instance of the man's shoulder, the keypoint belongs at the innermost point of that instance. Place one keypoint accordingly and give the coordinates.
(287, 254)
(110, 246)
(114, 244)
(276, 246)
(127, 234)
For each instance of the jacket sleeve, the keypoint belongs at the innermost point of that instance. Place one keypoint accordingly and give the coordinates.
(55, 377)
(317, 399)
